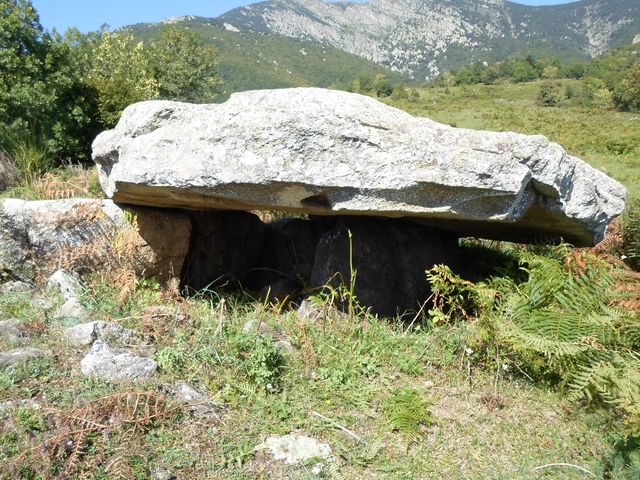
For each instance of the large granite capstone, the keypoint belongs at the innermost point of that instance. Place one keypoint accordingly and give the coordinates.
(326, 152)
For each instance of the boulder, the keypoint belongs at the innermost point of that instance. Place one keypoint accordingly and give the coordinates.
(325, 152)
(12, 330)
(225, 249)
(387, 282)
(80, 234)
(117, 364)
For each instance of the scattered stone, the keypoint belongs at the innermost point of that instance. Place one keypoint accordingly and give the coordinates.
(325, 152)
(69, 285)
(85, 334)
(199, 402)
(11, 330)
(21, 355)
(262, 328)
(387, 282)
(162, 474)
(9, 405)
(15, 287)
(116, 364)
(294, 449)
(42, 302)
(310, 312)
(79, 233)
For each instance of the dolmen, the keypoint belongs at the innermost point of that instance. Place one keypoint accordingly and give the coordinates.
(374, 196)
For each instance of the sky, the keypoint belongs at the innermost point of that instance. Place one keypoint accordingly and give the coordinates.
(87, 15)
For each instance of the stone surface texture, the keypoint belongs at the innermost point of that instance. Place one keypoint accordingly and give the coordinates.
(294, 448)
(116, 364)
(85, 334)
(38, 236)
(325, 152)
(8, 172)
(21, 355)
(12, 330)
(69, 285)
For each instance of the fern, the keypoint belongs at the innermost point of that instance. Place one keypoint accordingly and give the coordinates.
(408, 411)
(562, 323)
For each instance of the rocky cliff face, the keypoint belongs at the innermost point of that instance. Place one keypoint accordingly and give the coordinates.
(424, 37)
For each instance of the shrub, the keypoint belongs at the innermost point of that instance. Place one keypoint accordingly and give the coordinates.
(548, 95)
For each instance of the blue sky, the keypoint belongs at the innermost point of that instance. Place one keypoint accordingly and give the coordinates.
(87, 15)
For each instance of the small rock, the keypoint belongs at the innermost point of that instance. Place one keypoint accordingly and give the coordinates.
(294, 449)
(198, 401)
(15, 287)
(262, 328)
(70, 286)
(11, 404)
(85, 334)
(162, 474)
(67, 283)
(116, 364)
(11, 330)
(42, 302)
(21, 355)
(309, 312)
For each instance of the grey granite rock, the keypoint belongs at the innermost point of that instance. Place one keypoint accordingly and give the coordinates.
(117, 364)
(325, 152)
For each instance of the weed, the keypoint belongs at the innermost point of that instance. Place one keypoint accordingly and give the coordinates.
(408, 411)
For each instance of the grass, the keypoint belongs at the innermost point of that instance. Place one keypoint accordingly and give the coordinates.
(482, 422)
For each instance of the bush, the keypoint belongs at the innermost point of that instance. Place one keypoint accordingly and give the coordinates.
(627, 92)
(548, 95)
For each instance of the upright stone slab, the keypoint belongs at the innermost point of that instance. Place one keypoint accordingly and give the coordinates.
(389, 258)
(225, 249)
(326, 152)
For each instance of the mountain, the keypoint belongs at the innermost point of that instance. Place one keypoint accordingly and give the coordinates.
(422, 38)
(249, 60)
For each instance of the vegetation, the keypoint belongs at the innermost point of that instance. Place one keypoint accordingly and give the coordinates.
(612, 80)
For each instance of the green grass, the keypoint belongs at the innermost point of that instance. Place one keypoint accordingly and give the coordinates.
(472, 421)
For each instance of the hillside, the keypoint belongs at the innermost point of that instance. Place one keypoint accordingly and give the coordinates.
(253, 60)
(423, 38)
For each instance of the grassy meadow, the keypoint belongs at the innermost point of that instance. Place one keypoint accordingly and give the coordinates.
(529, 371)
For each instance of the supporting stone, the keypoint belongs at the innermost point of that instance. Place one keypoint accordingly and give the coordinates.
(390, 258)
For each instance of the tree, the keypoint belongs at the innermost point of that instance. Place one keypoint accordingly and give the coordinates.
(184, 66)
(626, 95)
(119, 70)
(464, 77)
(42, 98)
(400, 92)
(548, 95)
(523, 72)
(382, 86)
